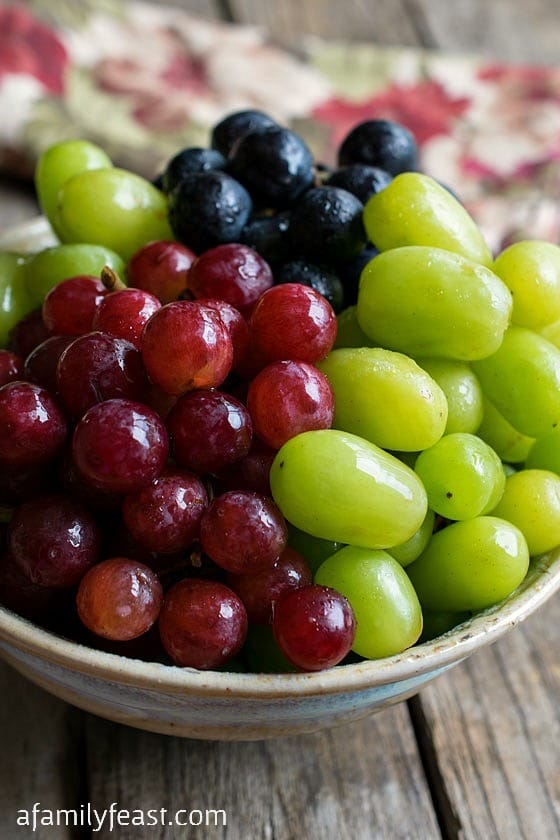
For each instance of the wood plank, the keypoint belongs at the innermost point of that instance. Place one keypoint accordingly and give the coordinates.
(363, 780)
(41, 756)
(288, 21)
(490, 734)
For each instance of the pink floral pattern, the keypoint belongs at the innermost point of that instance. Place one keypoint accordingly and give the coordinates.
(145, 80)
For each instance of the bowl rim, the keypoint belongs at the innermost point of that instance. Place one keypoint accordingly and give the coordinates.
(541, 582)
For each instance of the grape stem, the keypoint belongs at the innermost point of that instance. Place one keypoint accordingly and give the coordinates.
(111, 280)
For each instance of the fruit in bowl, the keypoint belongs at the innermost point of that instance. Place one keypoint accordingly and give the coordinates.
(294, 453)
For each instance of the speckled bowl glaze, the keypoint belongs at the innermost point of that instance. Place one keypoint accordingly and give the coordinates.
(235, 706)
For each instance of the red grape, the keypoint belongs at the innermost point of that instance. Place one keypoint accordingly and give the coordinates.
(243, 532)
(237, 327)
(209, 430)
(250, 473)
(17, 593)
(186, 346)
(32, 426)
(69, 307)
(42, 362)
(161, 268)
(202, 624)
(11, 367)
(260, 590)
(292, 321)
(287, 398)
(54, 540)
(120, 446)
(28, 333)
(314, 627)
(119, 599)
(165, 515)
(125, 313)
(231, 272)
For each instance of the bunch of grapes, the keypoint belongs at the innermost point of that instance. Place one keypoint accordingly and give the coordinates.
(265, 414)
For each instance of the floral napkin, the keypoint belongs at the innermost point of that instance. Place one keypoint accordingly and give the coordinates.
(144, 81)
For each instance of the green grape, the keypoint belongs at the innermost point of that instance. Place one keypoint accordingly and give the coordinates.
(509, 444)
(531, 270)
(407, 552)
(462, 391)
(388, 614)
(551, 332)
(470, 565)
(47, 268)
(438, 623)
(349, 333)
(312, 549)
(59, 163)
(15, 301)
(545, 453)
(385, 398)
(508, 470)
(531, 502)
(429, 302)
(415, 210)
(522, 378)
(114, 208)
(462, 475)
(263, 654)
(339, 487)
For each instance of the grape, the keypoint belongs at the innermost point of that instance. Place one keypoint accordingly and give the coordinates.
(97, 367)
(229, 130)
(33, 428)
(531, 270)
(350, 272)
(509, 444)
(425, 301)
(407, 552)
(531, 501)
(313, 549)
(208, 209)
(18, 594)
(292, 322)
(287, 398)
(462, 475)
(268, 235)
(160, 268)
(339, 487)
(28, 333)
(259, 591)
(202, 624)
(54, 540)
(47, 268)
(11, 367)
(60, 162)
(388, 615)
(274, 164)
(314, 627)
(41, 364)
(185, 346)
(349, 333)
(124, 314)
(120, 446)
(111, 207)
(321, 279)
(209, 431)
(236, 326)
(359, 179)
(231, 272)
(243, 532)
(165, 515)
(327, 225)
(119, 599)
(438, 623)
(262, 652)
(462, 391)
(15, 300)
(544, 453)
(70, 306)
(251, 472)
(188, 161)
(470, 565)
(522, 379)
(385, 397)
(415, 210)
(382, 143)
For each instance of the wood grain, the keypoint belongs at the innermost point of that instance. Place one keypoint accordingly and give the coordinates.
(490, 735)
(41, 748)
(364, 780)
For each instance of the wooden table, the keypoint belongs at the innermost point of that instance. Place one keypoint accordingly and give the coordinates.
(475, 755)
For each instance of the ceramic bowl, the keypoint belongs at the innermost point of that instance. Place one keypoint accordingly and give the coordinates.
(236, 706)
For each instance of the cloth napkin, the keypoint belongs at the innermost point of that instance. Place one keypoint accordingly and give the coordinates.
(144, 81)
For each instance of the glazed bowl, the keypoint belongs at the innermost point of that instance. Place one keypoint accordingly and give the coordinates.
(240, 706)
